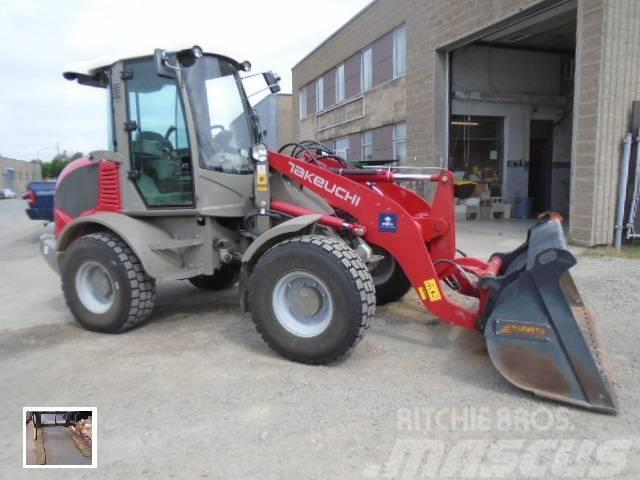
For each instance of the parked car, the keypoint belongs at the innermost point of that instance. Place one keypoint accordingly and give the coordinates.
(7, 193)
(40, 197)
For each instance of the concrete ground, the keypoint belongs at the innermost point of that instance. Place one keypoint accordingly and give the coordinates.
(195, 393)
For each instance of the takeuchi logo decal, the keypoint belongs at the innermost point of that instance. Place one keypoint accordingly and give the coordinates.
(321, 182)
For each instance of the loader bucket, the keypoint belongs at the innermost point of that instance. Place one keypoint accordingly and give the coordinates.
(539, 333)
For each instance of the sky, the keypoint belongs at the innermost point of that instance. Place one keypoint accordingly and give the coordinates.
(41, 112)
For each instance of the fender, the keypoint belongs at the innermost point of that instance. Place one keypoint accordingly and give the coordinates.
(139, 234)
(267, 240)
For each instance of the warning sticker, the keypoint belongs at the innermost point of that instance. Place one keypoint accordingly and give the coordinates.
(423, 294)
(433, 291)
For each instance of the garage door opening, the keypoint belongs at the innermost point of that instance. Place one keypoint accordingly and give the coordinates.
(511, 111)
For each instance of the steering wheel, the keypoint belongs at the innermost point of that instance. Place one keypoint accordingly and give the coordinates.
(170, 130)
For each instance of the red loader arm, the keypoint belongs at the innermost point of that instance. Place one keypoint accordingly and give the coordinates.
(417, 234)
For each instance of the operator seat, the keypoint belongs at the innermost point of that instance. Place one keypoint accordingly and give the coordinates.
(153, 153)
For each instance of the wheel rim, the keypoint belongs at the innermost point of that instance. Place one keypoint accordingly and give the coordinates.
(95, 287)
(383, 271)
(302, 304)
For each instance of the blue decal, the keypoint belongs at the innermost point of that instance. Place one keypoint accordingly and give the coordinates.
(388, 222)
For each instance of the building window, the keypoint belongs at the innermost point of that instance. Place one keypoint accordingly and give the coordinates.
(340, 83)
(319, 94)
(367, 146)
(367, 69)
(400, 142)
(399, 52)
(302, 101)
(342, 147)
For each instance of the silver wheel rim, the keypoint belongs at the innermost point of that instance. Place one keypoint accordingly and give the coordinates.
(302, 304)
(95, 287)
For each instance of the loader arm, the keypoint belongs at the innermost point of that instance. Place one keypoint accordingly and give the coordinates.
(413, 224)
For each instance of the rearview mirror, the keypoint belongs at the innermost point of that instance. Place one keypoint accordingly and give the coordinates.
(163, 67)
(272, 81)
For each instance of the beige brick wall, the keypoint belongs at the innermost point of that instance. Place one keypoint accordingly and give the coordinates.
(24, 172)
(607, 69)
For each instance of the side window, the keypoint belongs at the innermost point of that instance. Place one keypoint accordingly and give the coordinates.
(160, 143)
(320, 94)
(399, 52)
(367, 146)
(400, 142)
(367, 70)
(302, 99)
(342, 147)
(340, 84)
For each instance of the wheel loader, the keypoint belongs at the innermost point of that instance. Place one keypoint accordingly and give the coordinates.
(188, 191)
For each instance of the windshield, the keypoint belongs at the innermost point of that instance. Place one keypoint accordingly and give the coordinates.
(221, 115)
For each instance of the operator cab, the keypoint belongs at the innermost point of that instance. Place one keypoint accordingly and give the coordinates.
(176, 114)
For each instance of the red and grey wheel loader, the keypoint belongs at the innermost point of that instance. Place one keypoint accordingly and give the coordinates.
(188, 191)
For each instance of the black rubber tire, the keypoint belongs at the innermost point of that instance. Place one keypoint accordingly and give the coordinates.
(225, 277)
(134, 289)
(349, 284)
(391, 283)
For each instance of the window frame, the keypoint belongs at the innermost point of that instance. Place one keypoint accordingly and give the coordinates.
(346, 150)
(302, 102)
(319, 94)
(396, 34)
(341, 86)
(134, 108)
(366, 81)
(397, 139)
(364, 145)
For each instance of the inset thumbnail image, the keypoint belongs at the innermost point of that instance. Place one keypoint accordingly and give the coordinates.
(59, 437)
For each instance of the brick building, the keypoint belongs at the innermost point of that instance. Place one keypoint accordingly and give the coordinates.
(532, 97)
(16, 174)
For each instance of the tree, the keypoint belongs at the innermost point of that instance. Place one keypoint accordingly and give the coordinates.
(53, 168)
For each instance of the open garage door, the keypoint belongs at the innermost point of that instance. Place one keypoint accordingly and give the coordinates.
(517, 76)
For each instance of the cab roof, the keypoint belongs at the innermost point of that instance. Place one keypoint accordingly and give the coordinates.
(94, 72)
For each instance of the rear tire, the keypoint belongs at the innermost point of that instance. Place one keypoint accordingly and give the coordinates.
(390, 280)
(225, 277)
(311, 298)
(105, 285)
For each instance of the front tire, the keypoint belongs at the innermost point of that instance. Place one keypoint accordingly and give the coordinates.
(105, 285)
(311, 298)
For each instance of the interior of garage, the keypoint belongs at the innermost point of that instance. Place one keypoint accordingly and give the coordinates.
(511, 99)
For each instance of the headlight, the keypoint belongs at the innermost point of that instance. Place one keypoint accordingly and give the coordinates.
(260, 153)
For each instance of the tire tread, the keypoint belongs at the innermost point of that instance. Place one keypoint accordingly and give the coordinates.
(360, 277)
(142, 286)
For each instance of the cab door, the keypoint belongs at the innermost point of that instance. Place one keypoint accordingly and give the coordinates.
(161, 166)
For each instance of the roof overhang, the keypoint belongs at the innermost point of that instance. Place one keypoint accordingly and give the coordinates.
(94, 73)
